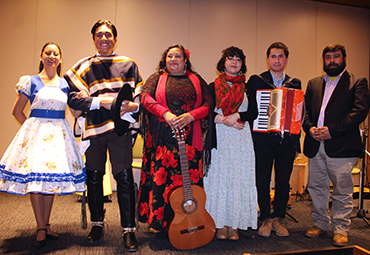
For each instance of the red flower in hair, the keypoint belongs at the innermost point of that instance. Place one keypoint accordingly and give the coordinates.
(187, 53)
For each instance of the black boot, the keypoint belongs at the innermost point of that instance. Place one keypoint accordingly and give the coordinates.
(126, 202)
(130, 241)
(94, 184)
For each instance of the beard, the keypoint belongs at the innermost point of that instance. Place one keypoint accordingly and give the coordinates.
(334, 69)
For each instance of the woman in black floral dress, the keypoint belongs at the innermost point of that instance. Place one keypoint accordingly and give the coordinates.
(173, 98)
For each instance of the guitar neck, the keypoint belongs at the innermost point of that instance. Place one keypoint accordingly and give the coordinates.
(188, 195)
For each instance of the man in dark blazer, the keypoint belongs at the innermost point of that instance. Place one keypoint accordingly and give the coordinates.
(336, 104)
(271, 148)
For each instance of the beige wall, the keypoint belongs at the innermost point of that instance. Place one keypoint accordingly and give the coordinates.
(147, 27)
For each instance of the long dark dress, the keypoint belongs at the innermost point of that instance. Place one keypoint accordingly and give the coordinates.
(161, 170)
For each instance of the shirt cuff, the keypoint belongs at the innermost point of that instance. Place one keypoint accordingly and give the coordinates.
(95, 104)
(138, 108)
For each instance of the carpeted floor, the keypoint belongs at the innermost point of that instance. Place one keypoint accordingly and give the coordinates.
(18, 229)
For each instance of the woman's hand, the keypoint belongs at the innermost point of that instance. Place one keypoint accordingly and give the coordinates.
(231, 119)
(169, 117)
(219, 119)
(183, 120)
(238, 126)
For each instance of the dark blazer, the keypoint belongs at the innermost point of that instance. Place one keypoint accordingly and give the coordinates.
(265, 81)
(346, 109)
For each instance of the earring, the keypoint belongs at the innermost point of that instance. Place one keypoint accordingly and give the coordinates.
(240, 73)
(185, 68)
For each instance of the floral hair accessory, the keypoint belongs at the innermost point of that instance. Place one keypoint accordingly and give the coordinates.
(187, 53)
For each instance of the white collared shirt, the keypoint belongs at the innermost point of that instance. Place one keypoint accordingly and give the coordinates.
(329, 88)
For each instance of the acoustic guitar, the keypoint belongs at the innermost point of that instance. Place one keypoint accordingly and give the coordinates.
(192, 226)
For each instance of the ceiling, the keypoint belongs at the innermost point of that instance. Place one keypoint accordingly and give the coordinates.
(358, 3)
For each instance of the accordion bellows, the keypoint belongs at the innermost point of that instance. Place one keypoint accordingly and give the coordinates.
(284, 111)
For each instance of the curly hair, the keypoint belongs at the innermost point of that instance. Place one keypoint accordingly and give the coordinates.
(231, 52)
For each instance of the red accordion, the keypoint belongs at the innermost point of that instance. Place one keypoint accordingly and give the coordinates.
(279, 110)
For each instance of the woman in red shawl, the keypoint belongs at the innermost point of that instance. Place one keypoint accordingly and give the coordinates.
(230, 183)
(174, 97)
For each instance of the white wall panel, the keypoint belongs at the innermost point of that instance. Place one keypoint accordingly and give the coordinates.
(146, 28)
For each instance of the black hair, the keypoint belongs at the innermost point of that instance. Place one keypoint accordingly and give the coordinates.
(278, 45)
(333, 48)
(231, 52)
(104, 22)
(162, 63)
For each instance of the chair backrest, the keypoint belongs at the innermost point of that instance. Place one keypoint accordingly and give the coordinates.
(137, 150)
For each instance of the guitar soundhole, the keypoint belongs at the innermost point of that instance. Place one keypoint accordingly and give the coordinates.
(189, 206)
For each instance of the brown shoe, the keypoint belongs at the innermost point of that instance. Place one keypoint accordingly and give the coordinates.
(265, 229)
(340, 240)
(315, 231)
(279, 229)
(222, 233)
(232, 234)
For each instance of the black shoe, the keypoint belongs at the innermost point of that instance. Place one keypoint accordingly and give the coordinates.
(95, 234)
(53, 236)
(130, 241)
(41, 243)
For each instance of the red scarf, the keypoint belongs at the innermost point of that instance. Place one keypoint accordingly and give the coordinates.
(160, 95)
(229, 98)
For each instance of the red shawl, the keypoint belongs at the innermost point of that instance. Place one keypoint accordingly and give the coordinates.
(229, 98)
(160, 96)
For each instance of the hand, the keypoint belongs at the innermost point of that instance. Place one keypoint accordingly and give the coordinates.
(81, 94)
(169, 117)
(106, 102)
(219, 118)
(238, 126)
(315, 133)
(183, 120)
(231, 119)
(127, 106)
(325, 134)
(320, 134)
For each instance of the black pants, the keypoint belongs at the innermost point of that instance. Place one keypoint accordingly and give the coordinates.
(272, 149)
(120, 153)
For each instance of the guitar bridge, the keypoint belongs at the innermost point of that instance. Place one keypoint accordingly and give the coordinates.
(191, 230)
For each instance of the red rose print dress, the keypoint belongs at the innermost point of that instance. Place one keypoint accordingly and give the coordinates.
(161, 171)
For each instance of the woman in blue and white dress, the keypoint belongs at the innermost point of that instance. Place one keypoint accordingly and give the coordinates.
(43, 159)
